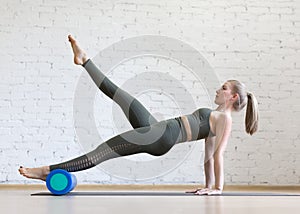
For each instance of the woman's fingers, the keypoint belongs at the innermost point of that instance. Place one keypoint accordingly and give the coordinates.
(192, 191)
(209, 192)
(199, 189)
(202, 191)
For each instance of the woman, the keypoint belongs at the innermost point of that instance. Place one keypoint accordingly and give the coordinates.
(157, 138)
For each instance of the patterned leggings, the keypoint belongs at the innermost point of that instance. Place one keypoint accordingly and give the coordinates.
(148, 136)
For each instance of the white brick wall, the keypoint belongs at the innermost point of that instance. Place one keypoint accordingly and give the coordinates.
(256, 42)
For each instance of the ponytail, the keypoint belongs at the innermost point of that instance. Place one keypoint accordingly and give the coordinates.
(251, 119)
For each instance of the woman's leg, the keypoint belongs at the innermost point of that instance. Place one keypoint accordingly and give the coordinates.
(135, 112)
(156, 140)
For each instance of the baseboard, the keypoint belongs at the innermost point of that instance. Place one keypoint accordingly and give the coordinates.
(138, 187)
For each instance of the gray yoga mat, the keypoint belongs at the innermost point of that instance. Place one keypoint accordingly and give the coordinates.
(154, 193)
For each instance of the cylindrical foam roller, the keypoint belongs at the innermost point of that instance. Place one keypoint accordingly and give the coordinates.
(60, 182)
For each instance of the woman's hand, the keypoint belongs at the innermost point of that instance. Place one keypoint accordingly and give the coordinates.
(198, 190)
(208, 192)
(215, 192)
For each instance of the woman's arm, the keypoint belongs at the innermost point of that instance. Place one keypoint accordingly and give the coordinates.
(214, 150)
(223, 129)
(209, 162)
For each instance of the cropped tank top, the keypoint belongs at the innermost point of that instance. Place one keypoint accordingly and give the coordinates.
(199, 123)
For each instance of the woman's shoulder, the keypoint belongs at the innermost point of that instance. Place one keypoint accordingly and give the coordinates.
(220, 119)
(221, 116)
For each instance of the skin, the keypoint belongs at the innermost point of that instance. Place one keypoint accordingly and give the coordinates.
(220, 123)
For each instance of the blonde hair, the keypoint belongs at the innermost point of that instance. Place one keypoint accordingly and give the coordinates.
(246, 98)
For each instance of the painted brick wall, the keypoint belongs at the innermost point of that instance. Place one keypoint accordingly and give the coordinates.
(253, 41)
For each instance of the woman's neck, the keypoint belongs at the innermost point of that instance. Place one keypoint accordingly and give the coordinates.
(224, 108)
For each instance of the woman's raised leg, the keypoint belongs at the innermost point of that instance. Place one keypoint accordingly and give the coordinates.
(135, 112)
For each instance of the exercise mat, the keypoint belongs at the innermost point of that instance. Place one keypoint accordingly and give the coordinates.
(157, 193)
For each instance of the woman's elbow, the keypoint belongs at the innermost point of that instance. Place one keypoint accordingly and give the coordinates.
(218, 156)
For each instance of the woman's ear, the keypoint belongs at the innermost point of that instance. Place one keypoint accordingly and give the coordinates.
(234, 97)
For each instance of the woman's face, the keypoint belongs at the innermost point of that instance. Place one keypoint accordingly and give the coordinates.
(224, 94)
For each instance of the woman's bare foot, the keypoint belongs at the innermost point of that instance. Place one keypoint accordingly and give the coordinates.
(80, 56)
(35, 173)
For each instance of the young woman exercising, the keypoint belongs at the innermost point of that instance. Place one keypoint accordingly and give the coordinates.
(158, 137)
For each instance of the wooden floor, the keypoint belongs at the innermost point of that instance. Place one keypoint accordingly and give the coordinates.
(18, 200)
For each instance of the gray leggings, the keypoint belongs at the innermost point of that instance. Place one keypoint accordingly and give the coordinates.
(148, 136)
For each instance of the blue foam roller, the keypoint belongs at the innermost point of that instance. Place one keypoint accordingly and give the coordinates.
(60, 182)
